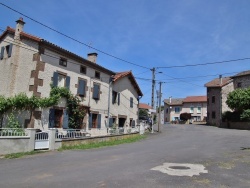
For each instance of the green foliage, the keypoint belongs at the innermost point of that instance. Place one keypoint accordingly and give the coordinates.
(21, 154)
(239, 99)
(104, 143)
(75, 111)
(13, 122)
(185, 116)
(231, 116)
(143, 113)
(245, 115)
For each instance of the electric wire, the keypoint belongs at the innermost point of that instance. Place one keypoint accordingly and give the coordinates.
(76, 40)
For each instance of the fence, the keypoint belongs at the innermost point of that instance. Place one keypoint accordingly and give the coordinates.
(72, 133)
(13, 132)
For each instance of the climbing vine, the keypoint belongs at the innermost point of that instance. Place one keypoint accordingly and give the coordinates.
(23, 102)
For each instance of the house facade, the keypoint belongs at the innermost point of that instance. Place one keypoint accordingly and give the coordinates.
(29, 64)
(217, 92)
(195, 105)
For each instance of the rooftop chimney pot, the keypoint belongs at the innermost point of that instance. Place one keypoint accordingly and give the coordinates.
(92, 57)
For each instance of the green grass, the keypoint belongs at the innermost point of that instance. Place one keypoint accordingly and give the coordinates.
(21, 154)
(103, 144)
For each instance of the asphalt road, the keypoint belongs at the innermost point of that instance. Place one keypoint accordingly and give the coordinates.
(224, 153)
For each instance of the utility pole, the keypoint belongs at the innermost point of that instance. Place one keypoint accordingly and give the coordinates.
(110, 83)
(153, 97)
(159, 114)
(153, 88)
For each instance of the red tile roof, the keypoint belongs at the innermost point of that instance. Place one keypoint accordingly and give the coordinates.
(120, 75)
(218, 83)
(194, 99)
(243, 73)
(174, 102)
(144, 106)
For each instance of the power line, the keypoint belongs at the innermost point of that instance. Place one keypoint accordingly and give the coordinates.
(67, 36)
(203, 64)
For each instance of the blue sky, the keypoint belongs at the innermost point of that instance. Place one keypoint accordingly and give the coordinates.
(149, 33)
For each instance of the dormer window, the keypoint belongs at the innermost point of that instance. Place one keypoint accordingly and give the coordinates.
(82, 69)
(63, 62)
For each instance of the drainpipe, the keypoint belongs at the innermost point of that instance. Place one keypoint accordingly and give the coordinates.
(110, 83)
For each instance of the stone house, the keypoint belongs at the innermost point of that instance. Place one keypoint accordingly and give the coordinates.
(196, 105)
(29, 64)
(217, 92)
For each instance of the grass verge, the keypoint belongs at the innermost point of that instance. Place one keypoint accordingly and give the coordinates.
(103, 144)
(21, 154)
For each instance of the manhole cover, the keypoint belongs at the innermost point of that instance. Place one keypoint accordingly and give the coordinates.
(179, 167)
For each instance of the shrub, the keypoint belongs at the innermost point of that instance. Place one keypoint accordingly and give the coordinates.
(185, 116)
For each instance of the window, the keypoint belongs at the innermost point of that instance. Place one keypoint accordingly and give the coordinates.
(167, 110)
(213, 99)
(191, 109)
(63, 62)
(114, 97)
(96, 92)
(198, 110)
(131, 102)
(177, 110)
(81, 91)
(8, 51)
(61, 80)
(213, 115)
(97, 74)
(239, 85)
(82, 69)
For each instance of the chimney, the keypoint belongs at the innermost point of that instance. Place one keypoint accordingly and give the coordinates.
(220, 77)
(19, 27)
(92, 57)
(170, 99)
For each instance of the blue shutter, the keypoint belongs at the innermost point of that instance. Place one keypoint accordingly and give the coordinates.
(67, 82)
(96, 92)
(55, 79)
(110, 122)
(51, 118)
(2, 52)
(133, 123)
(81, 87)
(90, 120)
(65, 119)
(10, 50)
(99, 118)
(118, 102)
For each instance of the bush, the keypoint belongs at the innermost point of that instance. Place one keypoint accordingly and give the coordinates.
(231, 116)
(185, 116)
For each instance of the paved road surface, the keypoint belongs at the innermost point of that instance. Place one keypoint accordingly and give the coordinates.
(223, 152)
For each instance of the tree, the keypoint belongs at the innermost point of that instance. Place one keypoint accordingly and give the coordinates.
(185, 116)
(143, 113)
(239, 101)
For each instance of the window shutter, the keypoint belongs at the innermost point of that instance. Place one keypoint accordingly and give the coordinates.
(65, 119)
(90, 121)
(131, 102)
(81, 87)
(96, 92)
(110, 122)
(2, 52)
(67, 82)
(10, 50)
(133, 123)
(118, 100)
(55, 79)
(113, 97)
(51, 118)
(99, 117)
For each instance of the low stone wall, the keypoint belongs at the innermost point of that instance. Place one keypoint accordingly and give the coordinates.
(236, 125)
(72, 142)
(14, 145)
